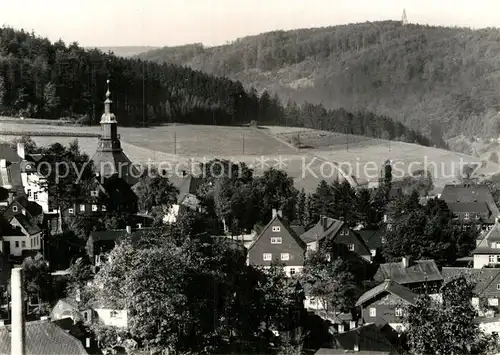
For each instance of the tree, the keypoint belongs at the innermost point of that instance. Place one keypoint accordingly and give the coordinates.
(301, 208)
(321, 201)
(446, 327)
(366, 213)
(51, 100)
(37, 278)
(154, 190)
(330, 281)
(29, 145)
(426, 232)
(68, 175)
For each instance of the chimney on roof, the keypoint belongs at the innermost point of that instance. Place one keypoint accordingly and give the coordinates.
(20, 150)
(277, 213)
(341, 328)
(18, 332)
(129, 229)
(405, 261)
(323, 222)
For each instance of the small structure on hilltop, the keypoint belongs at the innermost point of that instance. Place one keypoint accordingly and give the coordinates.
(404, 19)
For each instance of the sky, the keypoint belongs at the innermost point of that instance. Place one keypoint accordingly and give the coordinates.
(213, 22)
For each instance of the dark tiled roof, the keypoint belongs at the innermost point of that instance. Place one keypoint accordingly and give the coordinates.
(391, 287)
(369, 338)
(188, 184)
(33, 208)
(493, 235)
(317, 232)
(42, 338)
(115, 234)
(27, 224)
(373, 238)
(299, 230)
(486, 279)
(9, 154)
(470, 193)
(473, 207)
(418, 271)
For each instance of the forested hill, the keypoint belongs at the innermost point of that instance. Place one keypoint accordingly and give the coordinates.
(433, 79)
(43, 80)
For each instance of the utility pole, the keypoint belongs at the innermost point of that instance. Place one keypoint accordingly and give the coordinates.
(175, 143)
(143, 94)
(347, 141)
(243, 142)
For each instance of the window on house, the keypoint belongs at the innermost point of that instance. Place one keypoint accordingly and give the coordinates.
(86, 316)
(292, 271)
(14, 208)
(267, 256)
(382, 240)
(82, 208)
(103, 207)
(373, 312)
(31, 243)
(23, 244)
(466, 215)
(71, 211)
(93, 193)
(276, 240)
(399, 312)
(285, 256)
(312, 301)
(493, 301)
(113, 314)
(498, 258)
(498, 287)
(276, 228)
(344, 232)
(373, 252)
(491, 258)
(94, 208)
(29, 193)
(350, 247)
(35, 195)
(17, 244)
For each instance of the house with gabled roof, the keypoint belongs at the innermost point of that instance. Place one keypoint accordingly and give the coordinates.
(365, 340)
(419, 276)
(187, 186)
(43, 337)
(487, 252)
(10, 169)
(21, 237)
(384, 304)
(374, 239)
(487, 286)
(471, 204)
(278, 241)
(337, 232)
(100, 243)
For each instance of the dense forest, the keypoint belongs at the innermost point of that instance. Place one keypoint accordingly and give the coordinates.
(440, 81)
(43, 80)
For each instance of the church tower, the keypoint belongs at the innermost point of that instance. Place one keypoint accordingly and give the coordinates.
(109, 158)
(404, 19)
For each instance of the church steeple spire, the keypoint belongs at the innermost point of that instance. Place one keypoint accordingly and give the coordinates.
(107, 115)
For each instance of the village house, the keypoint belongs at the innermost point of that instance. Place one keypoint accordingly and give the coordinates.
(100, 243)
(278, 242)
(187, 186)
(472, 205)
(487, 252)
(374, 239)
(487, 287)
(420, 276)
(330, 230)
(384, 304)
(368, 339)
(43, 337)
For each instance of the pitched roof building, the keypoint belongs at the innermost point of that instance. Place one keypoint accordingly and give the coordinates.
(109, 158)
(487, 252)
(42, 338)
(417, 275)
(471, 203)
(337, 232)
(278, 241)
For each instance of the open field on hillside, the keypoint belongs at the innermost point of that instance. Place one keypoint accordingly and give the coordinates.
(362, 157)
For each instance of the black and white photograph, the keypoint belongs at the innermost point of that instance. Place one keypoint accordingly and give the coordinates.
(250, 177)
